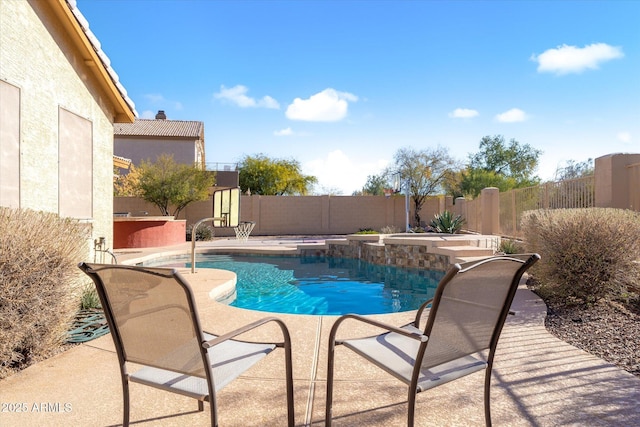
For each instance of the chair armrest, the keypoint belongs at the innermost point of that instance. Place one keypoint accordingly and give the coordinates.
(381, 325)
(416, 322)
(249, 327)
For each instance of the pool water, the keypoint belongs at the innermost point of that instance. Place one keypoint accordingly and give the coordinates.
(323, 285)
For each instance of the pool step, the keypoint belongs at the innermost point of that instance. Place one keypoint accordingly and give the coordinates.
(457, 253)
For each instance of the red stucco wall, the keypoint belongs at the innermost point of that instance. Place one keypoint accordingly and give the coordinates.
(141, 233)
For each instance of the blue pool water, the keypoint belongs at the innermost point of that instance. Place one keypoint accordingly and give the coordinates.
(323, 285)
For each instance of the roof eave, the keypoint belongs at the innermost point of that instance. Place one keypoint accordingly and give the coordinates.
(124, 112)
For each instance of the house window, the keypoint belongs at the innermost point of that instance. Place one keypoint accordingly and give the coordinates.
(9, 145)
(75, 172)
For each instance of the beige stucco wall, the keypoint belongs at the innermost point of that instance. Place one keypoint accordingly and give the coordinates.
(37, 56)
(137, 149)
(290, 215)
(614, 181)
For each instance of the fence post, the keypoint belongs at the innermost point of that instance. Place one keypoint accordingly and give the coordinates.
(613, 189)
(490, 211)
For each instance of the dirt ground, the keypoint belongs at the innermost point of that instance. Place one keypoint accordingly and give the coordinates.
(607, 329)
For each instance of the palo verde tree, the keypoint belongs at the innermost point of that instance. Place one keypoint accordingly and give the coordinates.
(423, 173)
(500, 165)
(274, 177)
(167, 184)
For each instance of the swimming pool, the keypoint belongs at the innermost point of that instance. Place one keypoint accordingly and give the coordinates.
(322, 285)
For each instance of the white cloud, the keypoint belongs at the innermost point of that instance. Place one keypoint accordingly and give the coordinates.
(624, 137)
(238, 95)
(157, 99)
(326, 106)
(283, 132)
(571, 59)
(463, 113)
(512, 116)
(154, 98)
(338, 171)
(269, 102)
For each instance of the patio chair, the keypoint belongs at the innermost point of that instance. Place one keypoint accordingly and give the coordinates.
(154, 323)
(464, 322)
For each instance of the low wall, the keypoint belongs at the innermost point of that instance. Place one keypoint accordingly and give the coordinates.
(148, 232)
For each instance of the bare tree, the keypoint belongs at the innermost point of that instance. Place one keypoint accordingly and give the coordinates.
(423, 173)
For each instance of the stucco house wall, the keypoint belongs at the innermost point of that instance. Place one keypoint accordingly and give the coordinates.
(147, 139)
(57, 122)
(138, 149)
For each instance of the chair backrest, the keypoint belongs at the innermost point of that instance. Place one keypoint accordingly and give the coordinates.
(470, 307)
(152, 316)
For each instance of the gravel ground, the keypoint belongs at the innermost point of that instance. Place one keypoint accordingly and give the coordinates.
(609, 330)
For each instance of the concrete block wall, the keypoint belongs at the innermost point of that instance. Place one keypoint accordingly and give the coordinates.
(291, 215)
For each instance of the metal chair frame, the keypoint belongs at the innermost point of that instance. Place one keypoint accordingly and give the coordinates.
(526, 261)
(92, 270)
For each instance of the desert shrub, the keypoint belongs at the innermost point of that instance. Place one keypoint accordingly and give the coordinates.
(389, 229)
(446, 223)
(587, 254)
(39, 286)
(204, 232)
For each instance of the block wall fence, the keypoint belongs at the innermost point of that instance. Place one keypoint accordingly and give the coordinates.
(304, 215)
(616, 185)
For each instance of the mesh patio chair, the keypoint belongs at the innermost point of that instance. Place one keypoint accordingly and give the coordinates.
(154, 323)
(464, 322)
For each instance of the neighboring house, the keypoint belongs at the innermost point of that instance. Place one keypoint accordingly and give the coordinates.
(146, 140)
(59, 100)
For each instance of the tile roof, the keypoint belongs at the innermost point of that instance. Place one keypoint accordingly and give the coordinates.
(164, 128)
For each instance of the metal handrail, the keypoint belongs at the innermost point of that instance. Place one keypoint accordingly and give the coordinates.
(193, 238)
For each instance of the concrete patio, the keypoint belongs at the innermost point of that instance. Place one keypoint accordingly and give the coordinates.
(538, 380)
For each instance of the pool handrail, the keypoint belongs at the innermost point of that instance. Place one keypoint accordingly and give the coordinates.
(193, 238)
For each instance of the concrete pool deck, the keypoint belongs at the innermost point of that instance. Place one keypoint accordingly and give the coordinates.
(537, 380)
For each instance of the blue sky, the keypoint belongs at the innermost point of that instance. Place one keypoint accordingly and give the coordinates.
(340, 86)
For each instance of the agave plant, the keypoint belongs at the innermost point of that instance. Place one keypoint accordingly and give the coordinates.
(446, 223)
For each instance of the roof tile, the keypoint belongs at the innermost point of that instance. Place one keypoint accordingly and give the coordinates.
(163, 128)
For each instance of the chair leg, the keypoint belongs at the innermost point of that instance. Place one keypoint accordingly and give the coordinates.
(125, 397)
(328, 408)
(200, 406)
(288, 365)
(411, 410)
(487, 396)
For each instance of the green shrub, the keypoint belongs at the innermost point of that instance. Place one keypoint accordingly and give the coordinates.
(446, 223)
(89, 299)
(367, 230)
(510, 246)
(39, 286)
(587, 254)
(204, 232)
